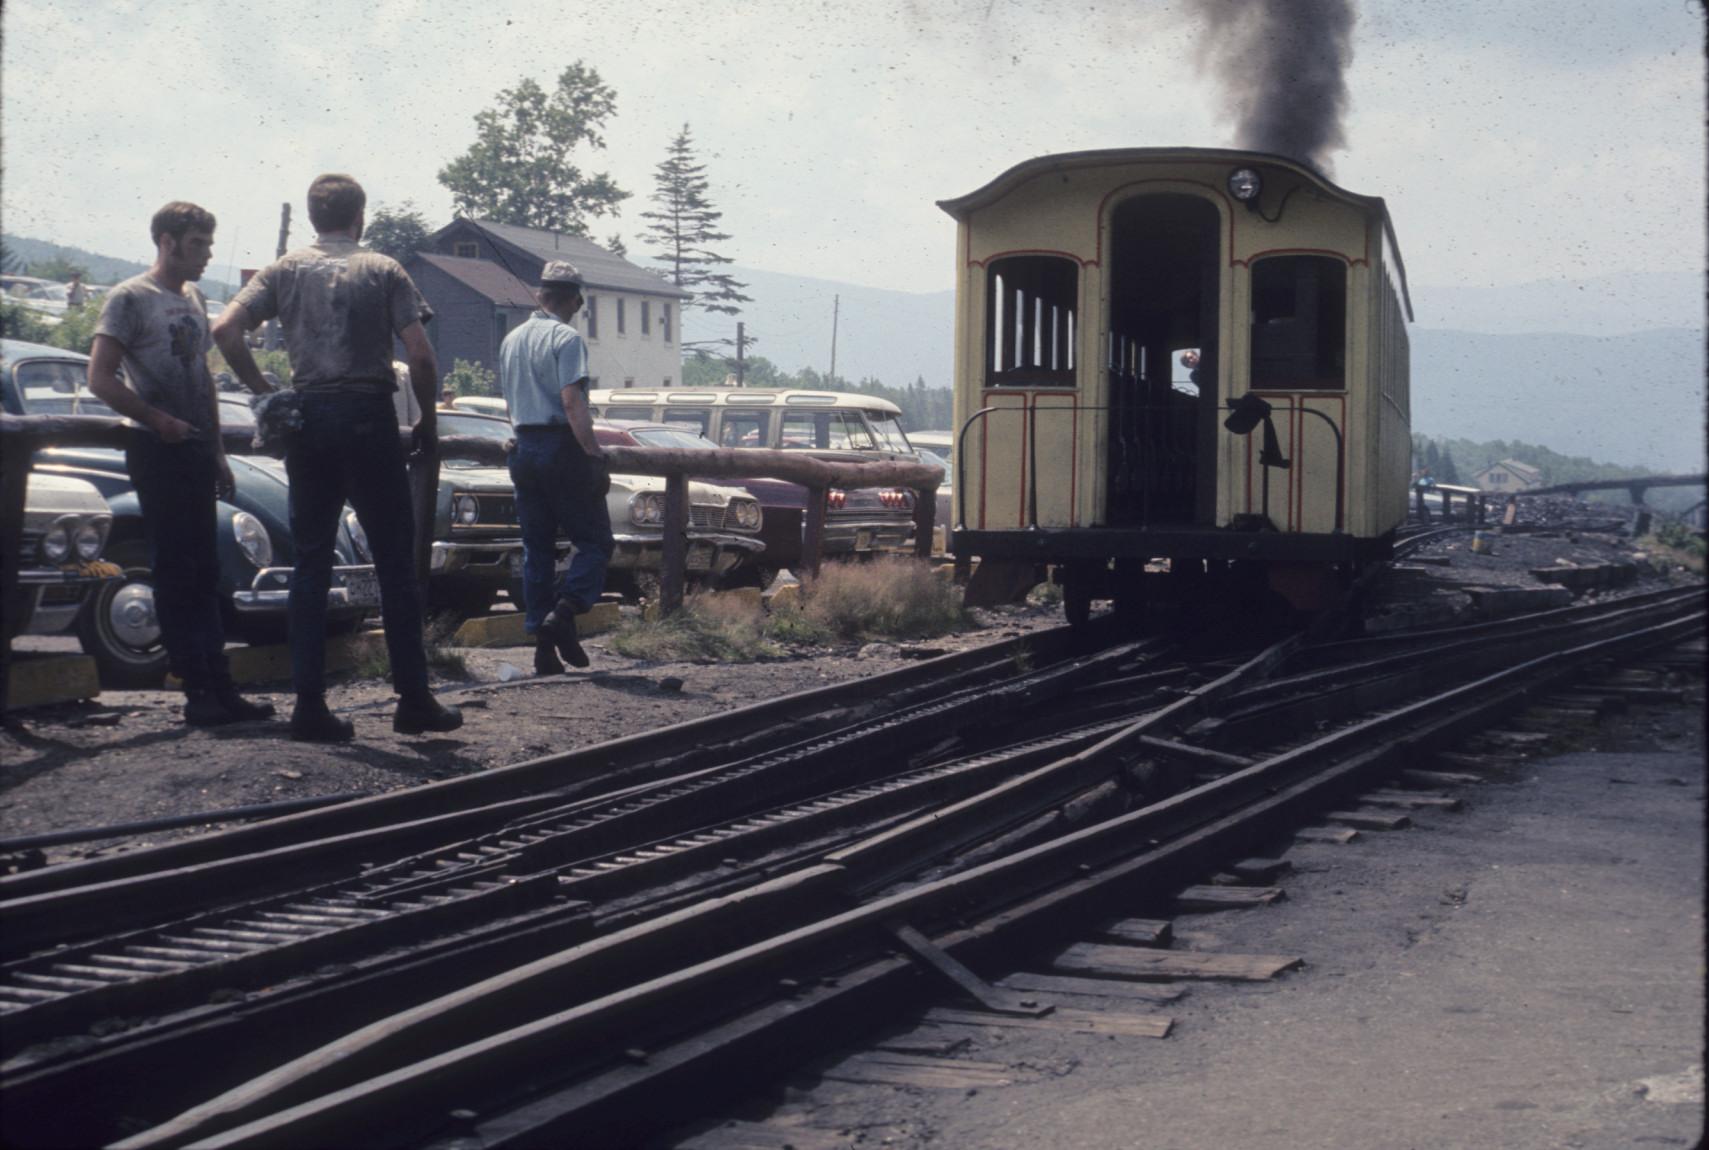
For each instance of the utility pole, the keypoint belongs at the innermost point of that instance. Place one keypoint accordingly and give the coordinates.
(836, 310)
(271, 340)
(741, 344)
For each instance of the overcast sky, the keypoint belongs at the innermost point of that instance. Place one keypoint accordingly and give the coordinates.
(1515, 140)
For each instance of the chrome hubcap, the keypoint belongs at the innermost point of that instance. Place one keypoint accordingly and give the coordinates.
(131, 614)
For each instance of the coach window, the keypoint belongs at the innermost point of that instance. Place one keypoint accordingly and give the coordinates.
(1031, 305)
(1299, 323)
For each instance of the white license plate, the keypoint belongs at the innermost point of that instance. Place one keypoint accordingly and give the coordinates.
(363, 587)
(863, 539)
(700, 556)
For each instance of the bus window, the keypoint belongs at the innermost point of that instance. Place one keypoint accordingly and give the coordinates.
(1299, 323)
(697, 418)
(744, 428)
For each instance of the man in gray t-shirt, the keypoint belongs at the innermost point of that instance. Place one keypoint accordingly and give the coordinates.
(341, 306)
(155, 328)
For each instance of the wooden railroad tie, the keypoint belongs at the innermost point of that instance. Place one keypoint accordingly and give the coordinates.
(1411, 801)
(1369, 820)
(1058, 984)
(1339, 836)
(1139, 932)
(1109, 961)
(1211, 898)
(1063, 1018)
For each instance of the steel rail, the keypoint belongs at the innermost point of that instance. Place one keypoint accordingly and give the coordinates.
(38, 920)
(1215, 816)
(662, 752)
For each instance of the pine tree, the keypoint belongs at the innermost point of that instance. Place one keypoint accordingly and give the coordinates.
(685, 226)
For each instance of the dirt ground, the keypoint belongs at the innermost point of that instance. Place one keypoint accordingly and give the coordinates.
(127, 756)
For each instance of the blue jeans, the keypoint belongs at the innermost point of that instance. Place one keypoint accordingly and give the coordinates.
(557, 490)
(175, 488)
(348, 450)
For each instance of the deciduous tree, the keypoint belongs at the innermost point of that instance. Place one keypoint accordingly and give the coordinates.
(684, 227)
(520, 170)
(397, 232)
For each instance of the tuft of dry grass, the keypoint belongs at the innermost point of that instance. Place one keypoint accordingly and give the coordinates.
(708, 629)
(892, 597)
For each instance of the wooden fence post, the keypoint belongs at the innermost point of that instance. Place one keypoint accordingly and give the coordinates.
(14, 482)
(424, 500)
(925, 517)
(813, 534)
(673, 575)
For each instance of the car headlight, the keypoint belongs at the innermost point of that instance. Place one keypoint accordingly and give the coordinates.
(91, 537)
(252, 538)
(647, 508)
(747, 513)
(358, 537)
(56, 544)
(466, 510)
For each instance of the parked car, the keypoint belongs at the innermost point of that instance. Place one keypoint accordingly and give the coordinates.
(825, 424)
(858, 522)
(66, 522)
(117, 624)
(481, 405)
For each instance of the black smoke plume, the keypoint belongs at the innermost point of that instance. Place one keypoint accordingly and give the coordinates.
(1281, 65)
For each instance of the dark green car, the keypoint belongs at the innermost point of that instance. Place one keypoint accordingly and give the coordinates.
(117, 625)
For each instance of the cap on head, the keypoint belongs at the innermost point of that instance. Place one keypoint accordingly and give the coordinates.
(560, 272)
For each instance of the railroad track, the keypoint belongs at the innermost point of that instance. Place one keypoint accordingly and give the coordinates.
(674, 942)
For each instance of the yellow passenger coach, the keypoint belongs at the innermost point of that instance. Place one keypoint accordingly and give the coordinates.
(1181, 354)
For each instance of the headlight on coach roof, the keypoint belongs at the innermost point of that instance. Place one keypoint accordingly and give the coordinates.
(90, 537)
(466, 510)
(252, 539)
(1244, 184)
(647, 508)
(746, 513)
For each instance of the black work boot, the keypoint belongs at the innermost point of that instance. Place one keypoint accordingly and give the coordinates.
(311, 722)
(560, 624)
(242, 710)
(419, 712)
(203, 708)
(546, 661)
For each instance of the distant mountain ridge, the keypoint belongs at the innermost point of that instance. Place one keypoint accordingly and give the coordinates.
(102, 269)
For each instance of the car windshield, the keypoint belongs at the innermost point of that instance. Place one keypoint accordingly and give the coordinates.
(451, 423)
(669, 437)
(56, 387)
(889, 431)
(933, 459)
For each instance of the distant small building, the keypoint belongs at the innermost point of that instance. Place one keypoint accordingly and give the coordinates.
(1508, 475)
(479, 278)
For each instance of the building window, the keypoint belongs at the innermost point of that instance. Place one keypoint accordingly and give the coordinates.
(464, 249)
(622, 318)
(1030, 310)
(1299, 323)
(646, 317)
(591, 310)
(665, 320)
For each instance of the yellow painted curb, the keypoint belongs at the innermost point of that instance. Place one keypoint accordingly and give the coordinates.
(50, 679)
(271, 662)
(507, 630)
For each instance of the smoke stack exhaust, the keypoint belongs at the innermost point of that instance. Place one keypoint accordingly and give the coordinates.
(1281, 66)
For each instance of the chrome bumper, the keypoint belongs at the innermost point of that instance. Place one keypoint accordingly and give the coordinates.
(716, 552)
(354, 588)
(489, 559)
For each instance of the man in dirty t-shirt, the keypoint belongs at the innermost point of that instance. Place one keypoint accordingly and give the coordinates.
(340, 306)
(155, 326)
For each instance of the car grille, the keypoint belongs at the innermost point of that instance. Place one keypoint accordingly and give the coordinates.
(62, 595)
(497, 510)
(702, 515)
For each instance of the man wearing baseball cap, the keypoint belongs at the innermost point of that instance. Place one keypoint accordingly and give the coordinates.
(558, 468)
